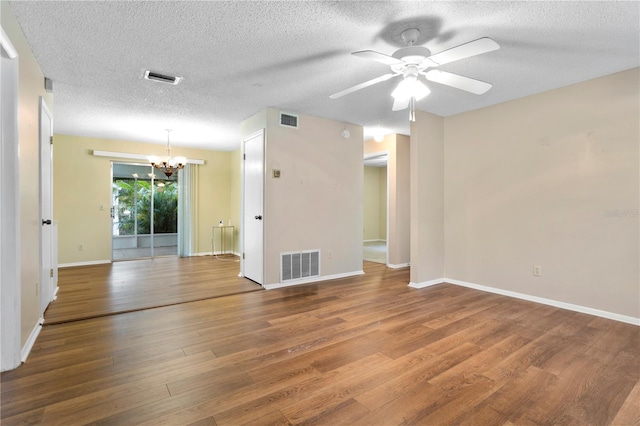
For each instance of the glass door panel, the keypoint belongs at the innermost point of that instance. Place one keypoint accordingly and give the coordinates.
(165, 214)
(131, 211)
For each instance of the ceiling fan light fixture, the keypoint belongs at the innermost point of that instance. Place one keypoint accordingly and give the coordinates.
(410, 87)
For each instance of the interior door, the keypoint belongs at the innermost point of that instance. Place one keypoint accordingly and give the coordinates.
(253, 236)
(47, 291)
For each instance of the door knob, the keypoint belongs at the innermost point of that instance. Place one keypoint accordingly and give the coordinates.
(46, 222)
(259, 217)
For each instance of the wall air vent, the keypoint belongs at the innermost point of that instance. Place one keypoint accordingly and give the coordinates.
(162, 78)
(288, 120)
(299, 265)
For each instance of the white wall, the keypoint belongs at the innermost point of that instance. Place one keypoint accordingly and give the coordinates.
(549, 180)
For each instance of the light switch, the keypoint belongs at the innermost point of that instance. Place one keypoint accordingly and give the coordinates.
(276, 173)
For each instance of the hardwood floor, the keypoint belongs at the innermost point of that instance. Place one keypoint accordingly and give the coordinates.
(98, 290)
(358, 351)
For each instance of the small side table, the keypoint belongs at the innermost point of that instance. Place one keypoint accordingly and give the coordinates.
(224, 230)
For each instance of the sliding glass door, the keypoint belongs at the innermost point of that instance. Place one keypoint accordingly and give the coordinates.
(144, 212)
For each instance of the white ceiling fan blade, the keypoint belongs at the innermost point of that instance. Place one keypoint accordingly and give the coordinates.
(476, 47)
(459, 82)
(377, 56)
(363, 85)
(400, 103)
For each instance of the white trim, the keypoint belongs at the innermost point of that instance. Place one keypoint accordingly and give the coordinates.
(6, 44)
(425, 284)
(291, 283)
(550, 302)
(26, 349)
(399, 265)
(130, 156)
(88, 263)
(374, 241)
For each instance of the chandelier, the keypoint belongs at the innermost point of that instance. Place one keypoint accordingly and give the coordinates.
(168, 164)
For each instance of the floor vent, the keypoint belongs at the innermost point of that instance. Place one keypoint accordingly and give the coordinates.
(288, 120)
(299, 265)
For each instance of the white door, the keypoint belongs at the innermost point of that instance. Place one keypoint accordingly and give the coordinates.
(46, 208)
(253, 237)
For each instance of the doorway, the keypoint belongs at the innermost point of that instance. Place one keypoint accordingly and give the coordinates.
(144, 212)
(375, 248)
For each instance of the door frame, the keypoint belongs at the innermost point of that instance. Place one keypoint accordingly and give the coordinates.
(153, 181)
(242, 233)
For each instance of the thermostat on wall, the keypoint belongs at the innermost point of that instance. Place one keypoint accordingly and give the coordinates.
(346, 134)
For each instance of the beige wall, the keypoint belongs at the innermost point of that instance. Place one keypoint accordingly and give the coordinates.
(235, 194)
(382, 205)
(82, 184)
(549, 180)
(398, 237)
(317, 201)
(427, 198)
(31, 88)
(375, 203)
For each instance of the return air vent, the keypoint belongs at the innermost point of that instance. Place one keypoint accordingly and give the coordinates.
(299, 265)
(162, 78)
(288, 120)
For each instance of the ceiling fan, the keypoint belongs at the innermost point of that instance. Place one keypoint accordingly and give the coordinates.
(413, 61)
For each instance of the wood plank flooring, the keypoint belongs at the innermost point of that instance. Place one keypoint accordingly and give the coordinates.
(98, 290)
(366, 350)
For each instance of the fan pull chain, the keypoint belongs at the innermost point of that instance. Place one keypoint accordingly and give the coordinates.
(412, 109)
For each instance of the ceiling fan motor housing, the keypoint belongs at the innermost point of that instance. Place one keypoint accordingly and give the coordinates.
(412, 56)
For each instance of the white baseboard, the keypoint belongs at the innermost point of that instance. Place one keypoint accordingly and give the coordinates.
(550, 302)
(26, 349)
(425, 284)
(210, 253)
(374, 241)
(399, 265)
(88, 263)
(312, 280)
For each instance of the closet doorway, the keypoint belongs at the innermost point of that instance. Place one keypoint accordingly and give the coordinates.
(144, 212)
(375, 232)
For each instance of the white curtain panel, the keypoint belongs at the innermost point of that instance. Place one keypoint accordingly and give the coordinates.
(187, 210)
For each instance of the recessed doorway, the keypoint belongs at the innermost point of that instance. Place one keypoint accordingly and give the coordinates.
(375, 208)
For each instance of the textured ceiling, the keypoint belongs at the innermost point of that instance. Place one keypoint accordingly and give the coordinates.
(237, 58)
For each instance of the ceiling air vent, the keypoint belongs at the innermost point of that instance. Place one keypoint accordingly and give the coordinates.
(288, 120)
(162, 78)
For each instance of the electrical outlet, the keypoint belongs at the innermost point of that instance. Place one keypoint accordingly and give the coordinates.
(80, 247)
(537, 271)
(329, 253)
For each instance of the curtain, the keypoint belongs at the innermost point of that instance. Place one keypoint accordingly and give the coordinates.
(187, 210)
